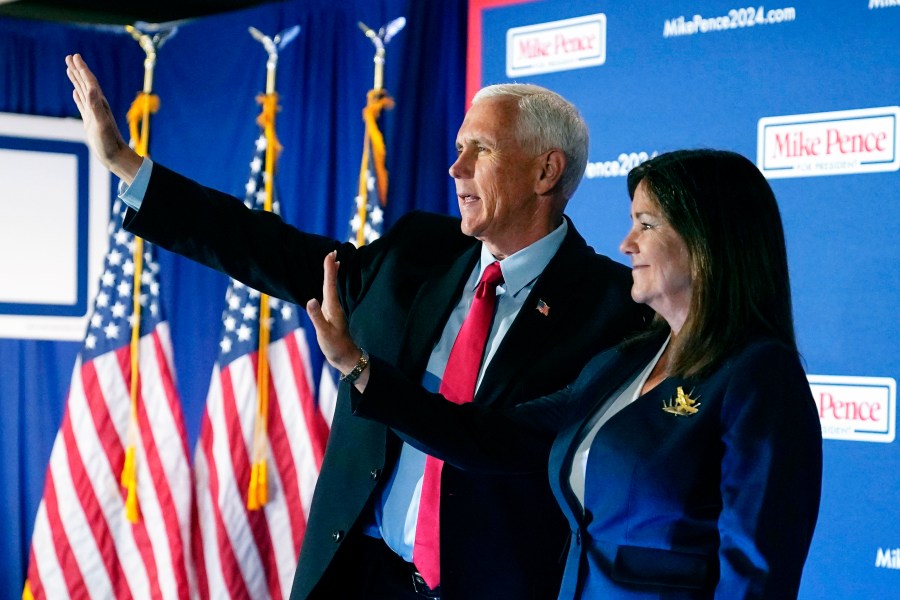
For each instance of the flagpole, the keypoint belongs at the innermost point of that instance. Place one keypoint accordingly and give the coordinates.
(257, 493)
(377, 99)
(145, 103)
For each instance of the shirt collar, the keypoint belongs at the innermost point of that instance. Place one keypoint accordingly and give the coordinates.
(527, 264)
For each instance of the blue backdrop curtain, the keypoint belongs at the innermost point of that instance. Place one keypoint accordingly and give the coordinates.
(207, 78)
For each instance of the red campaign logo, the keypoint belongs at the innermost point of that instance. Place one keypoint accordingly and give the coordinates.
(797, 143)
(855, 408)
(831, 143)
(849, 410)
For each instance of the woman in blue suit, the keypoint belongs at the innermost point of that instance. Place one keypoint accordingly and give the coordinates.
(688, 460)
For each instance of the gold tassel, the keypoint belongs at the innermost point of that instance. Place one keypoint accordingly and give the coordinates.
(129, 482)
(376, 101)
(143, 105)
(258, 492)
(266, 120)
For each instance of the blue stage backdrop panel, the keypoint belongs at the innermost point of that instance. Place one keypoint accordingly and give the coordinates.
(687, 74)
(207, 77)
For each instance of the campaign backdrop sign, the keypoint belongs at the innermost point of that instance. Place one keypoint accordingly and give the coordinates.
(810, 91)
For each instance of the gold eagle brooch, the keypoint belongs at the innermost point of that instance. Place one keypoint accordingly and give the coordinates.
(682, 404)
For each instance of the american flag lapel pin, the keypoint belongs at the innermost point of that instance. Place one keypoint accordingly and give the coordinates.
(543, 308)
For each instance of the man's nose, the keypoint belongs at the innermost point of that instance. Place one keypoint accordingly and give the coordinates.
(461, 167)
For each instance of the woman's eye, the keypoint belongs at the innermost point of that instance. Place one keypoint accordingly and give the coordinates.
(646, 226)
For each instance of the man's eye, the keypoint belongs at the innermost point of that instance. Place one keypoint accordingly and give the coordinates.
(646, 226)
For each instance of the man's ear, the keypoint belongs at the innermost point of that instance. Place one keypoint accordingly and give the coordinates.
(551, 167)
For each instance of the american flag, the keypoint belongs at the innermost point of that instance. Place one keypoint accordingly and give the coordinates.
(83, 545)
(367, 215)
(244, 553)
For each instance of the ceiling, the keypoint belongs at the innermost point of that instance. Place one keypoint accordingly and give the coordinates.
(119, 12)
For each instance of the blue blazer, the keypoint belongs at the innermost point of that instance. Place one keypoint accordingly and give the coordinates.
(721, 503)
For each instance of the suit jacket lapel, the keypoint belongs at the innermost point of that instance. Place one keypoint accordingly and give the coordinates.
(531, 329)
(430, 311)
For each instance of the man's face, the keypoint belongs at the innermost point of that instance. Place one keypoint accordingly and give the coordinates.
(495, 178)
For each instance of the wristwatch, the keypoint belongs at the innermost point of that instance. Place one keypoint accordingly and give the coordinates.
(361, 365)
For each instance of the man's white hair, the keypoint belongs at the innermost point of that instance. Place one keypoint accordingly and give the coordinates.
(547, 120)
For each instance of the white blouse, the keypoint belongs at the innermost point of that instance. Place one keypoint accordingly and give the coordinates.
(628, 393)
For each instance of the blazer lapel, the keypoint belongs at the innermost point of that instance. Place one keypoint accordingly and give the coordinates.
(595, 396)
(430, 311)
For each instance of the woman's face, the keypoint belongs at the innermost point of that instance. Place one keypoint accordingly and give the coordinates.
(660, 263)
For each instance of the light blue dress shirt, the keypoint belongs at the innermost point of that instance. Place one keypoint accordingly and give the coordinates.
(397, 510)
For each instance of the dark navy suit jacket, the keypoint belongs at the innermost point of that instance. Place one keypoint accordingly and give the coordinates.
(502, 535)
(718, 504)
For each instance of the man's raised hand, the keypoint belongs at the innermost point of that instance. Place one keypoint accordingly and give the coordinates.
(331, 325)
(99, 123)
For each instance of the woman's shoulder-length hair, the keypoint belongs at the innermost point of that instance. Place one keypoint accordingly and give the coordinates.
(726, 212)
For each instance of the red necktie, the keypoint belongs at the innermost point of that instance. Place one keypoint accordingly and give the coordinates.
(457, 385)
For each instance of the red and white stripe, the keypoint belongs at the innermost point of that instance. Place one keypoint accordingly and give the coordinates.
(83, 546)
(242, 553)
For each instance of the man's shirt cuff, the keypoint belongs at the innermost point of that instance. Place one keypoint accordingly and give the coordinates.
(133, 195)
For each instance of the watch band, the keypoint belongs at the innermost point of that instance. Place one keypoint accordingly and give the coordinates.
(361, 365)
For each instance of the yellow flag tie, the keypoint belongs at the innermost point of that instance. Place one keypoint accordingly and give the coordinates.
(258, 492)
(139, 127)
(376, 101)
